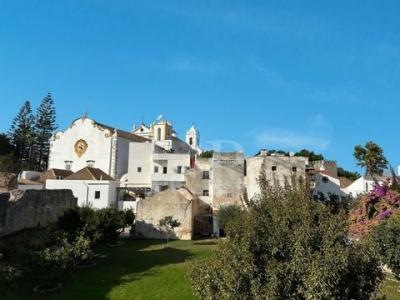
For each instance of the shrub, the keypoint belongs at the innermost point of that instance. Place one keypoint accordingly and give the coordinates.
(387, 238)
(80, 250)
(49, 265)
(226, 214)
(111, 223)
(70, 222)
(287, 246)
(373, 209)
(7, 274)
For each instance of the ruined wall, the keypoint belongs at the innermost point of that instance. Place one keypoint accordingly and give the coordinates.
(31, 208)
(278, 170)
(176, 203)
(8, 181)
(227, 178)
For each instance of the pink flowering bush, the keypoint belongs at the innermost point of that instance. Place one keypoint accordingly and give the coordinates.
(373, 208)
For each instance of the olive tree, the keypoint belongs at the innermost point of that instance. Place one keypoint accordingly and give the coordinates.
(287, 246)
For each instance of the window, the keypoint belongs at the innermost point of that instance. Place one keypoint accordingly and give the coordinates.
(206, 175)
(156, 169)
(60, 177)
(139, 169)
(294, 169)
(325, 179)
(97, 195)
(90, 163)
(274, 168)
(228, 195)
(179, 170)
(165, 170)
(68, 165)
(206, 193)
(190, 141)
(366, 186)
(158, 134)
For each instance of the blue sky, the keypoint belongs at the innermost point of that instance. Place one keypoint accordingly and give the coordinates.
(322, 75)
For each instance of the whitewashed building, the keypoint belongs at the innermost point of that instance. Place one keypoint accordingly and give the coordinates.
(91, 186)
(89, 143)
(363, 185)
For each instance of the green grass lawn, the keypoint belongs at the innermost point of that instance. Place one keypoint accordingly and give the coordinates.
(139, 270)
(136, 270)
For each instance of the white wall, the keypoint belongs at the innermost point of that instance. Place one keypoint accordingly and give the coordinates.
(99, 146)
(140, 155)
(360, 186)
(85, 190)
(330, 186)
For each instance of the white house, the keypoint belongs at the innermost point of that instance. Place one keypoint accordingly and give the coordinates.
(91, 186)
(362, 185)
(89, 143)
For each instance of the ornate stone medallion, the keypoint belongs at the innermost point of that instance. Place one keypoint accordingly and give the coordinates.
(80, 147)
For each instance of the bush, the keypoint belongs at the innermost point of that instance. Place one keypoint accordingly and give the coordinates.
(226, 214)
(387, 239)
(70, 222)
(287, 246)
(49, 265)
(111, 223)
(7, 274)
(80, 250)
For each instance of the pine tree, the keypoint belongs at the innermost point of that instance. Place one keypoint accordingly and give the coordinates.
(45, 126)
(22, 135)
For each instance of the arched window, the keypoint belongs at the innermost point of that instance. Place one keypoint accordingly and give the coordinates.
(190, 141)
(158, 134)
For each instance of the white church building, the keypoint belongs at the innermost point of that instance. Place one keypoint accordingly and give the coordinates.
(147, 160)
(87, 143)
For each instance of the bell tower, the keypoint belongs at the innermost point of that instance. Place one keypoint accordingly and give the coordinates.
(193, 138)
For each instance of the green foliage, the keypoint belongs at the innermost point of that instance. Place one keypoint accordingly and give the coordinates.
(207, 154)
(226, 214)
(49, 265)
(5, 145)
(167, 225)
(310, 154)
(387, 238)
(287, 246)
(371, 158)
(45, 125)
(353, 176)
(8, 273)
(9, 163)
(80, 250)
(111, 223)
(129, 217)
(22, 134)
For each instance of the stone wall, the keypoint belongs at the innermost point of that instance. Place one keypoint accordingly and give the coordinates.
(180, 204)
(8, 181)
(228, 170)
(31, 208)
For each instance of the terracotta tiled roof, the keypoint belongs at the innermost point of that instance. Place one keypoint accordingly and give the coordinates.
(54, 174)
(88, 173)
(28, 182)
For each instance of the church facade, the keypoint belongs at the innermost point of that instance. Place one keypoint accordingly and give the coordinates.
(87, 143)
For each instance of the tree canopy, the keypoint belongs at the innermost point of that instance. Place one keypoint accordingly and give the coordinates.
(287, 246)
(371, 158)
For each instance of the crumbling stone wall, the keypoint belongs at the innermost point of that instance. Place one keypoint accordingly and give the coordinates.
(228, 178)
(31, 208)
(8, 181)
(180, 204)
